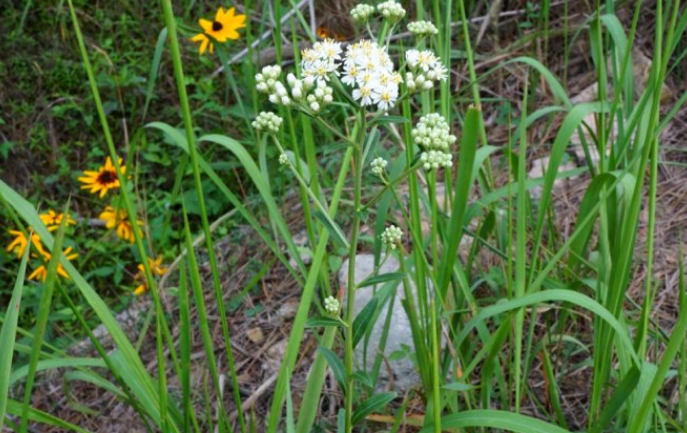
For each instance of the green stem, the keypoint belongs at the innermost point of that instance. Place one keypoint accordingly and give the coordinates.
(352, 251)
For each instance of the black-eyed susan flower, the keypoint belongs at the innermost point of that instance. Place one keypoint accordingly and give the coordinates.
(119, 220)
(21, 241)
(102, 180)
(52, 219)
(156, 269)
(222, 28)
(41, 272)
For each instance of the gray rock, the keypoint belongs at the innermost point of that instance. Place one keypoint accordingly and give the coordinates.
(403, 375)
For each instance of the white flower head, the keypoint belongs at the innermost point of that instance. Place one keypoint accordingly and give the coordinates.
(362, 12)
(283, 159)
(331, 305)
(364, 94)
(391, 236)
(385, 97)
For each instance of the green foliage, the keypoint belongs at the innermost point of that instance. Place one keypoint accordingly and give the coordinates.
(547, 300)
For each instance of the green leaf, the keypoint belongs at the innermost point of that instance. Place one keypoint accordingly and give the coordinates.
(336, 365)
(364, 320)
(157, 56)
(371, 405)
(364, 378)
(458, 386)
(51, 364)
(466, 167)
(333, 229)
(381, 278)
(8, 334)
(15, 408)
(385, 120)
(322, 321)
(497, 419)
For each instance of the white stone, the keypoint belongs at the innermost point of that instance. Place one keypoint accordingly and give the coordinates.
(404, 374)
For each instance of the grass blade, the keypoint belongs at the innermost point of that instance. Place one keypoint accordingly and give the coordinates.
(8, 334)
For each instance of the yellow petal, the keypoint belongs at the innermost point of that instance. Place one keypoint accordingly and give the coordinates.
(206, 25)
(220, 14)
(199, 38)
(233, 34)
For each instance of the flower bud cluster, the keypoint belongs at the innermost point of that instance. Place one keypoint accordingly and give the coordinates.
(321, 97)
(362, 12)
(391, 10)
(378, 165)
(268, 82)
(418, 83)
(426, 68)
(332, 305)
(432, 134)
(391, 236)
(421, 29)
(283, 159)
(299, 88)
(267, 121)
(435, 159)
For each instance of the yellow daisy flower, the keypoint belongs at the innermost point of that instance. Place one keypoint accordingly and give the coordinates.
(52, 220)
(224, 27)
(21, 241)
(155, 267)
(102, 180)
(119, 219)
(41, 272)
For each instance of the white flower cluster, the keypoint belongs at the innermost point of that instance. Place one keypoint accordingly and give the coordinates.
(267, 121)
(422, 28)
(391, 10)
(391, 236)
(331, 304)
(362, 12)
(426, 68)
(369, 69)
(378, 165)
(283, 159)
(268, 82)
(432, 134)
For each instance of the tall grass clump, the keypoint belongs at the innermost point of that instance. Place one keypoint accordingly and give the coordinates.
(414, 165)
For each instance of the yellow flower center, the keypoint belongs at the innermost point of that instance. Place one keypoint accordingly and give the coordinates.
(216, 26)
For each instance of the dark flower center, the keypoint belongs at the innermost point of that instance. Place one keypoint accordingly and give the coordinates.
(216, 26)
(107, 177)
